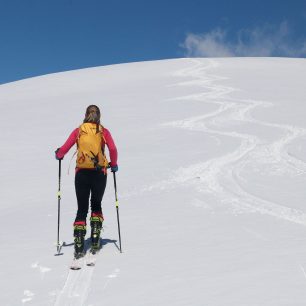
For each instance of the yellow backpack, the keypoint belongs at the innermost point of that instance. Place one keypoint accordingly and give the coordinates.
(90, 146)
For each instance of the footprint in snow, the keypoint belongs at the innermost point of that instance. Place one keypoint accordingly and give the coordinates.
(28, 296)
(110, 277)
(41, 268)
(114, 274)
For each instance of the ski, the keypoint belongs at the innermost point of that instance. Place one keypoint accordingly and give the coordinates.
(77, 263)
(92, 258)
(89, 258)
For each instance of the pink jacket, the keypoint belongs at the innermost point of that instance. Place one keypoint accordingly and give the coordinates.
(113, 154)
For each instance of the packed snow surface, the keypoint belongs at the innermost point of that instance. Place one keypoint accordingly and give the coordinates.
(211, 185)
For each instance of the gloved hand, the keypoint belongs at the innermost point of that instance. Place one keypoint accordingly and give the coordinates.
(114, 168)
(56, 157)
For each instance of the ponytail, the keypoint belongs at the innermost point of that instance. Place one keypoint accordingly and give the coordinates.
(92, 114)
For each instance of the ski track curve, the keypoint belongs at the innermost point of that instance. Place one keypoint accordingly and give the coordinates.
(219, 176)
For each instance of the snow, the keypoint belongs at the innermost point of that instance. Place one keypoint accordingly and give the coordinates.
(211, 185)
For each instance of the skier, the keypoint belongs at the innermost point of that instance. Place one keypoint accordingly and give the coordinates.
(90, 175)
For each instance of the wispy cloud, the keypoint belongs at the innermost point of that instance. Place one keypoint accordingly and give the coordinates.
(266, 40)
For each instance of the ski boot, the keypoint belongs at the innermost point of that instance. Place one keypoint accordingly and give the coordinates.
(79, 239)
(96, 227)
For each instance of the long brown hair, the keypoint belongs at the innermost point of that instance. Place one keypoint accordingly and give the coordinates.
(92, 114)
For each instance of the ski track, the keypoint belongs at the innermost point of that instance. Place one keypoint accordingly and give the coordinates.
(220, 176)
(76, 288)
(303, 271)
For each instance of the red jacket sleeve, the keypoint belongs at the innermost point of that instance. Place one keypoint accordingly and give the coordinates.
(68, 144)
(113, 153)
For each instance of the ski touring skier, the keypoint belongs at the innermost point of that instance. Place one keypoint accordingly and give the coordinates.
(91, 137)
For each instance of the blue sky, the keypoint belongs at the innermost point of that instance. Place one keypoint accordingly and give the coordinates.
(42, 36)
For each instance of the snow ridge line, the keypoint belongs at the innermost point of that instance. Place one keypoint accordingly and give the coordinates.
(220, 176)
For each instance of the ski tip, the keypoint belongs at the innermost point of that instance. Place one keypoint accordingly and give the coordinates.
(58, 254)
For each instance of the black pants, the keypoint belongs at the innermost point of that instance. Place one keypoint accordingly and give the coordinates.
(89, 182)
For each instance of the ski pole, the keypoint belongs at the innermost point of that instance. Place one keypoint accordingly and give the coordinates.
(58, 244)
(117, 208)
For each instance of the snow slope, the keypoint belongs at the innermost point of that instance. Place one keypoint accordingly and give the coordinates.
(211, 185)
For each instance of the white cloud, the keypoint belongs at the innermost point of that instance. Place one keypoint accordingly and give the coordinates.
(212, 44)
(267, 40)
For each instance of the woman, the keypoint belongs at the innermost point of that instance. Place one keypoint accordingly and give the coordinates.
(90, 175)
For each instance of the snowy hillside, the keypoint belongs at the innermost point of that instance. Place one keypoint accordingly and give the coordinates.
(211, 185)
